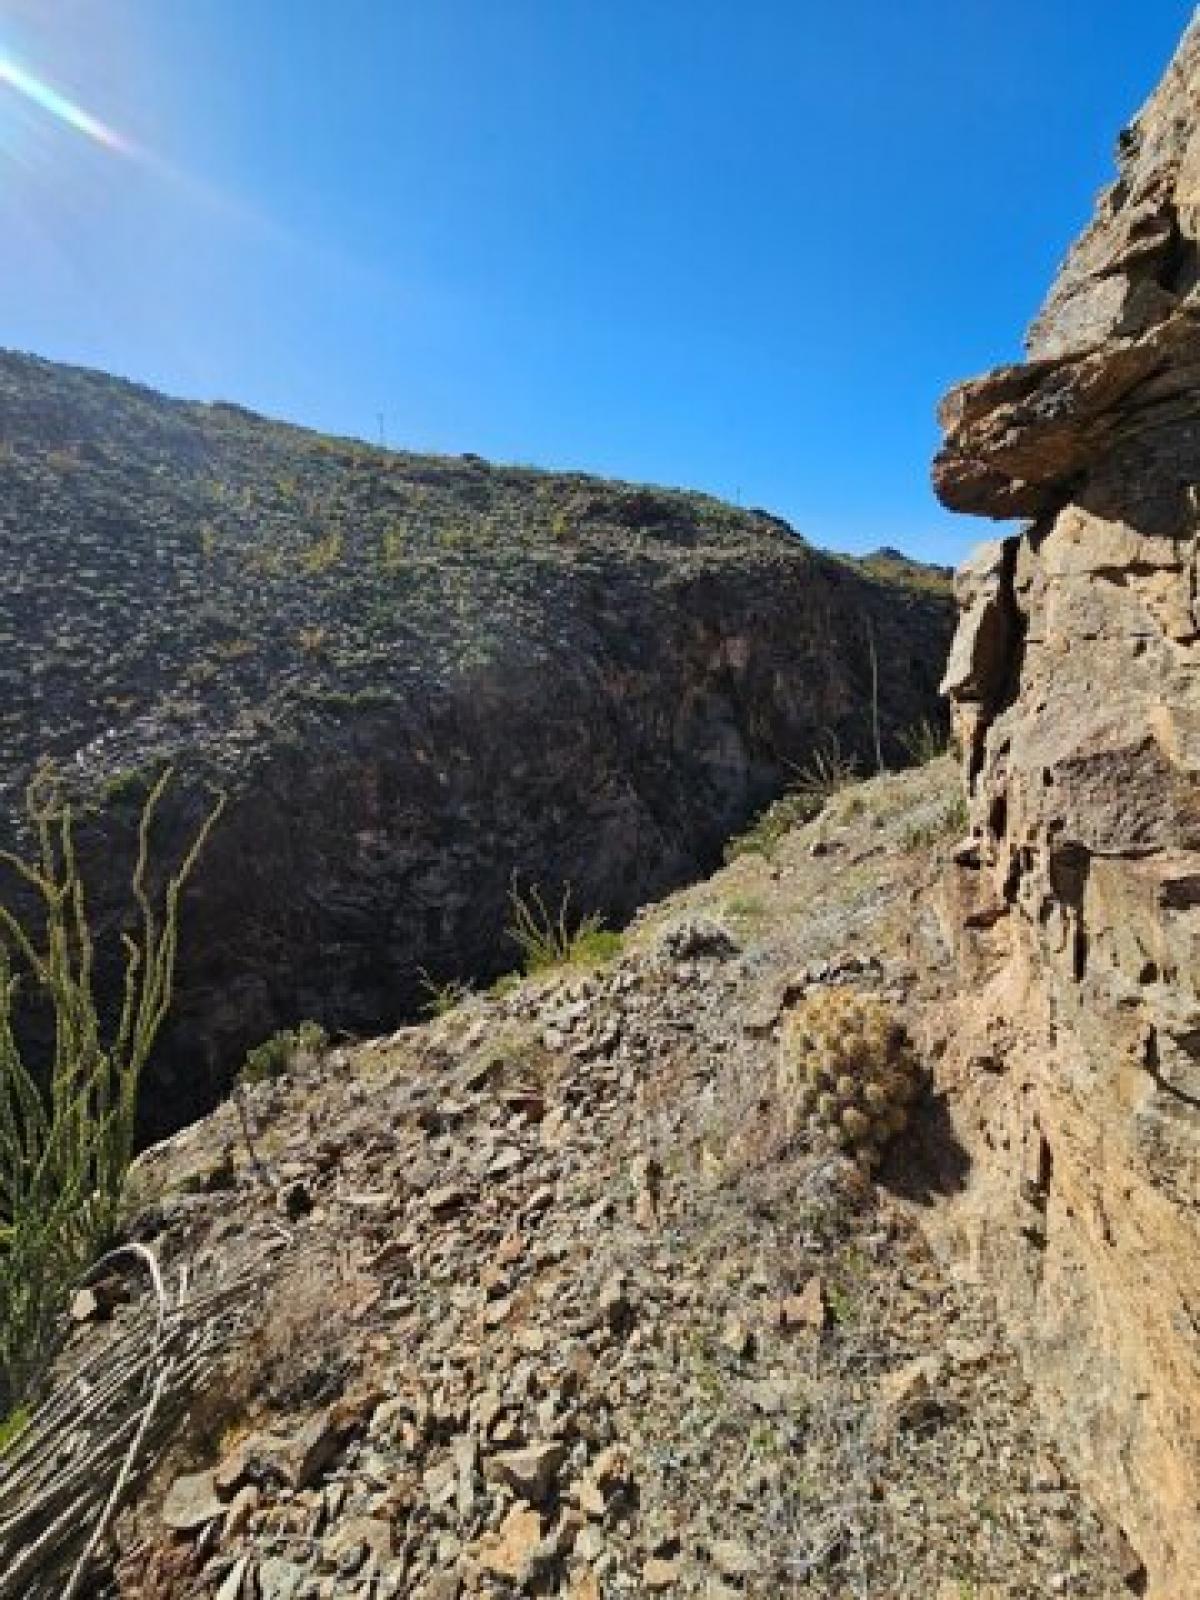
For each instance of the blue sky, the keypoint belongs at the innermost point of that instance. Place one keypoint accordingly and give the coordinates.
(740, 245)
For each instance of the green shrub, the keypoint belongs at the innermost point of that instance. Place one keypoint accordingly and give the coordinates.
(392, 547)
(771, 826)
(129, 784)
(925, 741)
(442, 998)
(826, 774)
(324, 553)
(593, 944)
(277, 1055)
(66, 1132)
(547, 938)
(12, 1427)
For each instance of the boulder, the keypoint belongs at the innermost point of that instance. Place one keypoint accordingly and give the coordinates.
(531, 1473)
(192, 1501)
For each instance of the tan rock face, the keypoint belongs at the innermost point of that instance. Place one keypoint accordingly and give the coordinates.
(1075, 678)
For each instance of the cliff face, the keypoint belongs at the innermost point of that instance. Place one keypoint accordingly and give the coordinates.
(413, 676)
(1075, 678)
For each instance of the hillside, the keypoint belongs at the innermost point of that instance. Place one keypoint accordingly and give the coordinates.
(179, 572)
(547, 1297)
(415, 677)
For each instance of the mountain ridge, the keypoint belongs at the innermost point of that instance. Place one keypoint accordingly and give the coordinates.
(294, 514)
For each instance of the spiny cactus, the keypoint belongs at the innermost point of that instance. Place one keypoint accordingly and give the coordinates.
(846, 1072)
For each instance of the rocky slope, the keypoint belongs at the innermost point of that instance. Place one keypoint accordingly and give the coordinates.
(415, 677)
(1076, 681)
(542, 1298)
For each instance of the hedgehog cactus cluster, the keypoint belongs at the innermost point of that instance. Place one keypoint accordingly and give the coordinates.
(847, 1072)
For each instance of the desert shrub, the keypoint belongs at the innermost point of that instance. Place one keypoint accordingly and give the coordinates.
(442, 998)
(548, 938)
(283, 1050)
(266, 562)
(67, 1129)
(309, 1341)
(312, 640)
(925, 741)
(846, 1072)
(392, 546)
(951, 820)
(826, 773)
(298, 1347)
(323, 553)
(234, 649)
(772, 826)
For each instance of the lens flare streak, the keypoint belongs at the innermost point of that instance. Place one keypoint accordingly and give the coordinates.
(57, 105)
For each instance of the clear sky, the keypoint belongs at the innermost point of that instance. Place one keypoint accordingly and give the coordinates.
(740, 245)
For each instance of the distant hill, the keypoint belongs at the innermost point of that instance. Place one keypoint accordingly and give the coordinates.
(893, 566)
(415, 675)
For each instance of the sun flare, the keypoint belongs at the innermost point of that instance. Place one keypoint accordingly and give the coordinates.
(49, 99)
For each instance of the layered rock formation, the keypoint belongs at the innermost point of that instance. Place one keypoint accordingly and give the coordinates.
(413, 676)
(1075, 677)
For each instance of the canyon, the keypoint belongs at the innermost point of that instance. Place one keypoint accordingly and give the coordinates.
(420, 681)
(569, 1290)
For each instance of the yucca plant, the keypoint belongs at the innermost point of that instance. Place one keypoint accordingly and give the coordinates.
(548, 938)
(926, 741)
(826, 774)
(67, 1130)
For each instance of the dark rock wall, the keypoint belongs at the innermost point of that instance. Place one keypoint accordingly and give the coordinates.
(376, 843)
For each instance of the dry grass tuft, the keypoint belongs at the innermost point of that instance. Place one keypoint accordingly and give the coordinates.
(308, 1343)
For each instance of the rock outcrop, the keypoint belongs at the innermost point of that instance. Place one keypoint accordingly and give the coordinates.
(414, 677)
(1075, 677)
